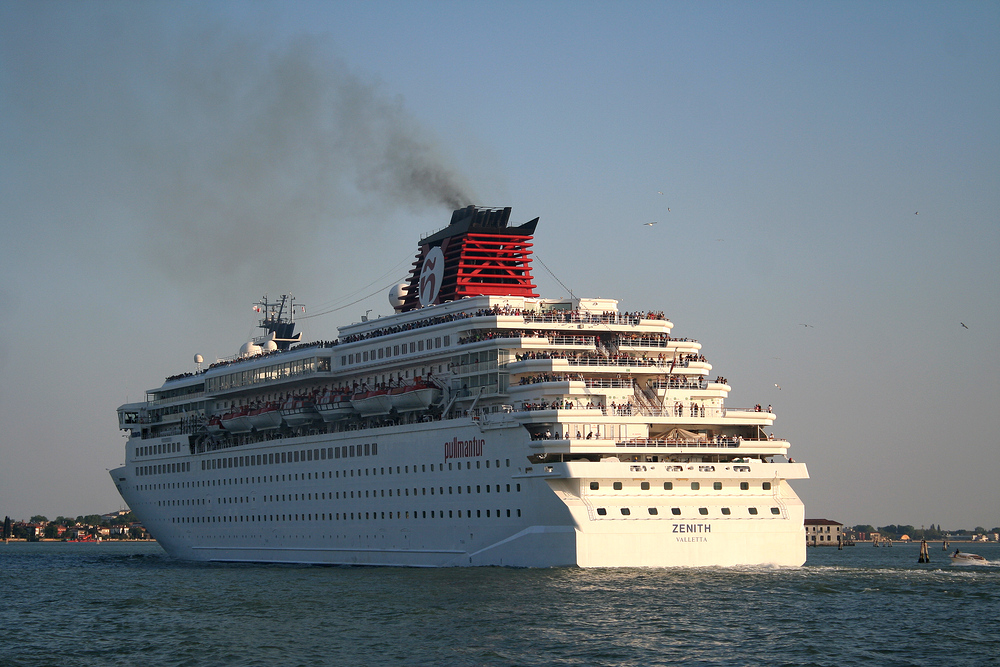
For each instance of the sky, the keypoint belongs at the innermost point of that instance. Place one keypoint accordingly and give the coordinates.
(829, 216)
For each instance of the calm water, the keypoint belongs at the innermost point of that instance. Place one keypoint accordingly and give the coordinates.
(114, 604)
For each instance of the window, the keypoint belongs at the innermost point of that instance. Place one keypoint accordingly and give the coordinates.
(752, 510)
(618, 486)
(594, 486)
(653, 511)
(775, 510)
(601, 511)
(625, 511)
(703, 511)
(744, 486)
(676, 511)
(668, 486)
(695, 486)
(717, 486)
(644, 486)
(726, 511)
(766, 486)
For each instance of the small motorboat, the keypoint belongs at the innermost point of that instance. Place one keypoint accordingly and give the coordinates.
(964, 558)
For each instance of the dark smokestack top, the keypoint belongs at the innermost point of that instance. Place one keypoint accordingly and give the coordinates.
(481, 221)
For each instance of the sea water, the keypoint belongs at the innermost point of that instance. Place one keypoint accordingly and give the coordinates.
(130, 604)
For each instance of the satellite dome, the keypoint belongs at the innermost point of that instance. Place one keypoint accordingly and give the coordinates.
(198, 359)
(250, 349)
(396, 296)
(269, 345)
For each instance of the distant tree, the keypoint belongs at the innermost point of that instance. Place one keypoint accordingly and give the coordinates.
(52, 530)
(864, 528)
(39, 518)
(6, 527)
(980, 529)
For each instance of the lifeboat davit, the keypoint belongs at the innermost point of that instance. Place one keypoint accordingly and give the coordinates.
(215, 424)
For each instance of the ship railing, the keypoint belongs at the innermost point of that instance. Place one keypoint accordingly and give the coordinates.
(713, 443)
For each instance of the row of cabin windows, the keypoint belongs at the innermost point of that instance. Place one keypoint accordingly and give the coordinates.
(668, 486)
(297, 456)
(338, 495)
(390, 351)
(345, 516)
(163, 448)
(163, 469)
(676, 511)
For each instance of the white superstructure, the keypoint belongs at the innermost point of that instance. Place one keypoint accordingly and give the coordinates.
(469, 428)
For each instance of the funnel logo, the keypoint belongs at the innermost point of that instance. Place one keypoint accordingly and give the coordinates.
(431, 274)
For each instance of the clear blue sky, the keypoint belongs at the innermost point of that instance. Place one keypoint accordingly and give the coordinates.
(835, 165)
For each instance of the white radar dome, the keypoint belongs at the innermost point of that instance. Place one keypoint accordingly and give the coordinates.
(198, 359)
(397, 295)
(270, 345)
(250, 349)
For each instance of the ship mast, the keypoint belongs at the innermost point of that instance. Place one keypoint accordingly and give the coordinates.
(278, 322)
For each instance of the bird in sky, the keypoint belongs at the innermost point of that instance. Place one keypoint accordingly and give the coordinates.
(963, 324)
(668, 209)
(659, 192)
(648, 224)
(777, 385)
(807, 325)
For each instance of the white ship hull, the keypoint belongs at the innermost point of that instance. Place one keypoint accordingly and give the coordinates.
(534, 516)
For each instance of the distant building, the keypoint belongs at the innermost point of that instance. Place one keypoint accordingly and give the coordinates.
(823, 533)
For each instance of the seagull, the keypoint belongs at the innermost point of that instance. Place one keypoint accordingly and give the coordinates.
(777, 385)
(659, 192)
(668, 210)
(963, 324)
(806, 325)
(917, 213)
(648, 224)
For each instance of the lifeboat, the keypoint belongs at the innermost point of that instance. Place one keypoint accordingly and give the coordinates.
(370, 403)
(215, 424)
(417, 396)
(265, 417)
(237, 421)
(299, 411)
(334, 407)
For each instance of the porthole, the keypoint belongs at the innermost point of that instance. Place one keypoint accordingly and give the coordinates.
(676, 511)
(752, 510)
(775, 510)
(703, 511)
(668, 486)
(625, 511)
(618, 486)
(653, 511)
(601, 511)
(717, 486)
(726, 511)
(744, 486)
(644, 486)
(695, 486)
(594, 486)
(766, 486)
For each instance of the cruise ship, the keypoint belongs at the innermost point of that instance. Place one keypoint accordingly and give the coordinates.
(479, 424)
